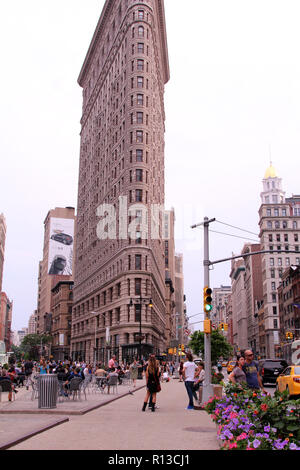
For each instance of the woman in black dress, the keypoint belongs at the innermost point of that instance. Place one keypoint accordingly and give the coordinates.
(152, 379)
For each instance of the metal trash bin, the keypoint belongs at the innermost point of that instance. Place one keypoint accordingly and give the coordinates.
(47, 389)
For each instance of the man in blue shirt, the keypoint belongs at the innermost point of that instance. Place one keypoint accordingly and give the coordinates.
(251, 370)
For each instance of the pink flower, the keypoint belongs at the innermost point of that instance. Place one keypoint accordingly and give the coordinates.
(233, 445)
(242, 436)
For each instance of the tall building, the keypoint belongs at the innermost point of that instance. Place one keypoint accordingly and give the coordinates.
(32, 324)
(179, 299)
(169, 241)
(6, 307)
(61, 308)
(253, 293)
(121, 176)
(238, 305)
(219, 302)
(279, 222)
(2, 246)
(57, 263)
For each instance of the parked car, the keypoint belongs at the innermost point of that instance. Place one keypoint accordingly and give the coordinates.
(230, 366)
(270, 369)
(62, 238)
(289, 380)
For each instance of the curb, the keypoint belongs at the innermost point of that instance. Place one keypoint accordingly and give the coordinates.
(55, 411)
(36, 431)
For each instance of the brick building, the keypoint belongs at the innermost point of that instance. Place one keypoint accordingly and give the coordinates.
(121, 176)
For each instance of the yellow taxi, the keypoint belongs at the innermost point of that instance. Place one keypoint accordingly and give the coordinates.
(230, 366)
(289, 380)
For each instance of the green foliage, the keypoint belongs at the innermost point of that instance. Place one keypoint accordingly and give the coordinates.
(30, 346)
(248, 420)
(219, 345)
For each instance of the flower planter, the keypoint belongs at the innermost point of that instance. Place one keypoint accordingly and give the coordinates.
(218, 391)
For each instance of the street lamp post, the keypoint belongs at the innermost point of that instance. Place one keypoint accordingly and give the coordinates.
(95, 348)
(140, 301)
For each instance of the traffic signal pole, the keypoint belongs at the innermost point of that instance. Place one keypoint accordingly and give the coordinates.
(207, 385)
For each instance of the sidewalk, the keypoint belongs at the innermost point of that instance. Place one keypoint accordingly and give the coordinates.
(121, 425)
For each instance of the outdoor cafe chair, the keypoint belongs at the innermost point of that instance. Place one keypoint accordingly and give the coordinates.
(75, 387)
(112, 384)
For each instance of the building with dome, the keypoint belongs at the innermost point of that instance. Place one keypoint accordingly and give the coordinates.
(279, 222)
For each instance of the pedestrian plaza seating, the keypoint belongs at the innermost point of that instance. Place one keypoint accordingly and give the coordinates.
(112, 384)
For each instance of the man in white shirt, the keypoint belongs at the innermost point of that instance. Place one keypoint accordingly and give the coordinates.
(190, 372)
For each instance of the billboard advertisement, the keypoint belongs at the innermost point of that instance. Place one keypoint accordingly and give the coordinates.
(61, 246)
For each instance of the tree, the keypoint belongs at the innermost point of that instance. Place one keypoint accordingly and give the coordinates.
(31, 345)
(219, 345)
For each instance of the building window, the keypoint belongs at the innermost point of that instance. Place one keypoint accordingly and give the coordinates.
(276, 212)
(140, 64)
(138, 195)
(284, 224)
(283, 212)
(140, 99)
(296, 237)
(273, 285)
(141, 14)
(277, 224)
(272, 273)
(140, 82)
(141, 48)
(141, 31)
(139, 155)
(294, 224)
(268, 212)
(139, 137)
(138, 286)
(139, 175)
(279, 261)
(269, 224)
(138, 262)
(287, 261)
(271, 261)
(139, 117)
(270, 237)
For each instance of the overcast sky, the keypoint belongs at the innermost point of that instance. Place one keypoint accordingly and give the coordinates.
(234, 93)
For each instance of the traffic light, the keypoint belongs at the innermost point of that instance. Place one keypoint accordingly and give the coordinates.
(226, 326)
(207, 327)
(207, 299)
(179, 347)
(222, 326)
(289, 335)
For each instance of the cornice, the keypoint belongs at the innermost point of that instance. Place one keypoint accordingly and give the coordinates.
(97, 34)
(101, 26)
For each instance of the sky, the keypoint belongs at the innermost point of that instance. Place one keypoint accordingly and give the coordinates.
(232, 104)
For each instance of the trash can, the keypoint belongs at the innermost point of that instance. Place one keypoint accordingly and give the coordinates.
(47, 389)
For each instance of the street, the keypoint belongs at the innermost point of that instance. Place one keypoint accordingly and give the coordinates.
(122, 425)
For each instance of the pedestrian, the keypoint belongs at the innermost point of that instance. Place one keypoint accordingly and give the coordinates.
(152, 381)
(112, 363)
(238, 375)
(190, 372)
(134, 369)
(250, 368)
(180, 371)
(199, 382)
